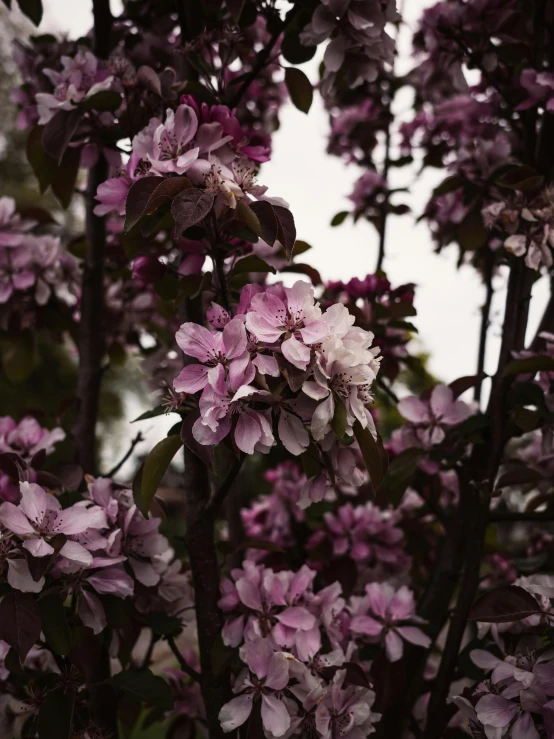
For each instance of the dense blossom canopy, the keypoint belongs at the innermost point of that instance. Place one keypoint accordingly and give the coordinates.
(354, 547)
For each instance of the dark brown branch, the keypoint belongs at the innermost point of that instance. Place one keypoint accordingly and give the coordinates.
(103, 21)
(91, 343)
(200, 542)
(221, 493)
(521, 516)
(183, 664)
(547, 321)
(485, 321)
(438, 714)
(137, 440)
(261, 61)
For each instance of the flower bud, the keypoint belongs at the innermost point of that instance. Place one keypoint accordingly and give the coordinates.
(148, 269)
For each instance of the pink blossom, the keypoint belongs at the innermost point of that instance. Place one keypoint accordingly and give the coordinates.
(172, 142)
(383, 614)
(223, 356)
(291, 311)
(430, 417)
(80, 78)
(39, 517)
(269, 674)
(12, 226)
(346, 711)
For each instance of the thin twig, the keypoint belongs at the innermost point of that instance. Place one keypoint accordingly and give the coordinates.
(138, 438)
(392, 395)
(523, 516)
(184, 665)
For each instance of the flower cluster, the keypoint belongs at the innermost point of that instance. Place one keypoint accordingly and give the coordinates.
(328, 364)
(516, 700)
(525, 226)
(429, 418)
(205, 143)
(271, 517)
(281, 622)
(366, 534)
(359, 45)
(101, 545)
(380, 308)
(24, 443)
(32, 265)
(80, 78)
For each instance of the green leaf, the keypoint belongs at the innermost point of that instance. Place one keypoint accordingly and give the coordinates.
(300, 89)
(252, 263)
(294, 51)
(54, 624)
(144, 686)
(42, 164)
(521, 178)
(471, 234)
(55, 718)
(64, 176)
(163, 624)
(454, 182)
(529, 365)
(32, 9)
(244, 213)
(340, 419)
(373, 452)
(154, 468)
(339, 218)
(105, 100)
(300, 247)
(19, 357)
(158, 411)
(400, 473)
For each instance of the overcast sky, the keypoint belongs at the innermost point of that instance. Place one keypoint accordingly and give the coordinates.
(316, 185)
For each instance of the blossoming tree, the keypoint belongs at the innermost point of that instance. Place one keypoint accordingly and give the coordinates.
(359, 548)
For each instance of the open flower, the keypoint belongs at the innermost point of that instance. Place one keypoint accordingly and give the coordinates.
(383, 614)
(223, 354)
(432, 416)
(39, 517)
(289, 311)
(268, 675)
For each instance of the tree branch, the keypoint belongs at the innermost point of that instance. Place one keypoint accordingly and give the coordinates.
(91, 343)
(220, 494)
(138, 438)
(183, 664)
(485, 322)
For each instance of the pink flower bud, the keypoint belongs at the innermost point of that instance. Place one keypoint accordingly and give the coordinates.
(148, 269)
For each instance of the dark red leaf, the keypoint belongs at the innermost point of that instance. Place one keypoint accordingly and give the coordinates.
(65, 176)
(168, 189)
(286, 230)
(355, 675)
(268, 222)
(190, 207)
(59, 131)
(138, 196)
(503, 605)
(462, 384)
(19, 622)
